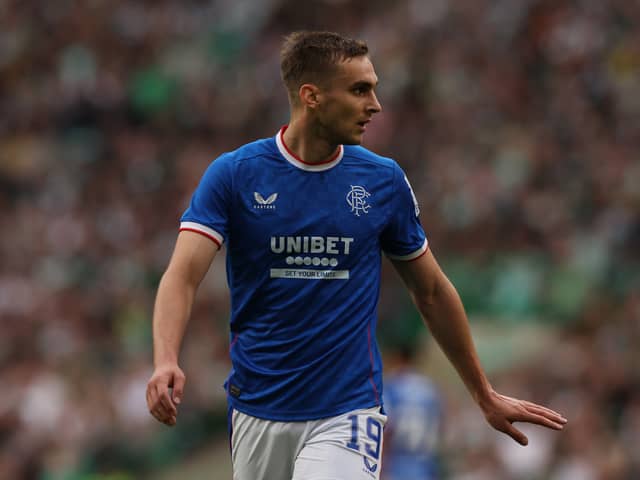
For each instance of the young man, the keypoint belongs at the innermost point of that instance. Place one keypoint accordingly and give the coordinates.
(305, 216)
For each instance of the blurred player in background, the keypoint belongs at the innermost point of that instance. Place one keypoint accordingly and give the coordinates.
(415, 416)
(305, 216)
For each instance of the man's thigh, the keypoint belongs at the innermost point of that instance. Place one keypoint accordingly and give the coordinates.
(263, 449)
(347, 447)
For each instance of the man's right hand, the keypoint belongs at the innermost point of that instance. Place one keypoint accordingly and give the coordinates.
(162, 403)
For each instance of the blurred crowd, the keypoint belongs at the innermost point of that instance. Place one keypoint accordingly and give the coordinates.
(517, 121)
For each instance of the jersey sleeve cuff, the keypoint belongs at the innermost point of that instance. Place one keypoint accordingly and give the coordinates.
(411, 256)
(208, 232)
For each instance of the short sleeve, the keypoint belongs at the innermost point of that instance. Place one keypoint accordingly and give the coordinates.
(208, 212)
(403, 237)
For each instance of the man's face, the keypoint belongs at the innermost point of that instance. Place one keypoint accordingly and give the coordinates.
(347, 102)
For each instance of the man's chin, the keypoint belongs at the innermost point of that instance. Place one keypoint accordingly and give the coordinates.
(348, 138)
(354, 139)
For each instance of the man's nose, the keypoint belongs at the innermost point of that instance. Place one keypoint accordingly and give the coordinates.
(375, 106)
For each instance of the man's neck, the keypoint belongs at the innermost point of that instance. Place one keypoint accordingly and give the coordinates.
(307, 146)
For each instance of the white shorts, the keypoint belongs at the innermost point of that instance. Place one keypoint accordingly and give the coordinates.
(346, 447)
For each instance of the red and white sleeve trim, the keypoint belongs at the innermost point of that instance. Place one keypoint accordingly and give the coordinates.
(412, 256)
(202, 230)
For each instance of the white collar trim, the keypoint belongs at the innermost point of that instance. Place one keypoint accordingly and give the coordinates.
(309, 167)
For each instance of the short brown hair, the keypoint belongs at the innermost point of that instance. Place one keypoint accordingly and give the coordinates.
(308, 56)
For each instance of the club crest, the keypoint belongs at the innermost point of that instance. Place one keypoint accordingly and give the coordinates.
(357, 200)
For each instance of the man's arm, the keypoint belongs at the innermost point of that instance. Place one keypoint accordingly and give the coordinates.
(441, 308)
(189, 263)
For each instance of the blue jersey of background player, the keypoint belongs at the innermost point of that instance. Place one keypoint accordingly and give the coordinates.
(276, 232)
(415, 411)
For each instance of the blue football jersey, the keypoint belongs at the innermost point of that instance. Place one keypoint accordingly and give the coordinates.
(304, 245)
(414, 411)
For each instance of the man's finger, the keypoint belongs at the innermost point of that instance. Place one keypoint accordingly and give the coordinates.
(178, 388)
(163, 403)
(538, 420)
(167, 404)
(516, 434)
(159, 414)
(539, 409)
(156, 394)
(152, 402)
(169, 420)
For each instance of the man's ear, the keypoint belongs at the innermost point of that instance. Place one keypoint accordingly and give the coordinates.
(309, 94)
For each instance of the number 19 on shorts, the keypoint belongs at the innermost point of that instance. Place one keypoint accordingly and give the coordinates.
(372, 440)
